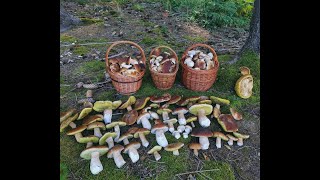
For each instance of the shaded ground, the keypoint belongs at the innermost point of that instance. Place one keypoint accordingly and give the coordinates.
(150, 26)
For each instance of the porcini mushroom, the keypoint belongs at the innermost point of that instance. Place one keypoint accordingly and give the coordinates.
(218, 100)
(174, 147)
(84, 112)
(124, 137)
(163, 98)
(195, 147)
(231, 139)
(65, 115)
(240, 138)
(174, 99)
(100, 106)
(159, 129)
(203, 134)
(164, 112)
(236, 115)
(77, 132)
(69, 122)
(108, 138)
(107, 112)
(155, 153)
(141, 132)
(131, 100)
(183, 102)
(141, 103)
(116, 125)
(181, 111)
(202, 110)
(191, 120)
(91, 119)
(187, 130)
(176, 134)
(96, 126)
(170, 123)
(89, 140)
(115, 153)
(130, 117)
(188, 61)
(227, 123)
(131, 149)
(94, 153)
(144, 119)
(181, 128)
(153, 115)
(219, 136)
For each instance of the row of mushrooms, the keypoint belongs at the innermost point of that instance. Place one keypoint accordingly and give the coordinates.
(199, 60)
(137, 112)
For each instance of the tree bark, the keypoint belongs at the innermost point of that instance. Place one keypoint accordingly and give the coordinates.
(253, 41)
(67, 20)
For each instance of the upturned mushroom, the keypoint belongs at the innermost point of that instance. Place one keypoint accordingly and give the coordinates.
(94, 153)
(141, 103)
(219, 136)
(203, 134)
(231, 139)
(176, 134)
(130, 117)
(65, 115)
(89, 140)
(164, 112)
(77, 132)
(127, 105)
(170, 123)
(96, 126)
(107, 112)
(227, 123)
(141, 132)
(131, 149)
(236, 115)
(116, 125)
(115, 153)
(92, 118)
(216, 111)
(159, 129)
(155, 153)
(69, 122)
(124, 137)
(217, 100)
(108, 138)
(174, 147)
(144, 120)
(181, 112)
(202, 110)
(195, 147)
(191, 120)
(240, 138)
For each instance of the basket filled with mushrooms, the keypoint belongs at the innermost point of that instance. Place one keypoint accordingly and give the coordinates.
(126, 72)
(199, 69)
(163, 66)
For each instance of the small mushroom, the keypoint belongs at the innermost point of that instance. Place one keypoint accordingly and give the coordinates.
(144, 120)
(155, 153)
(174, 147)
(131, 149)
(141, 103)
(153, 115)
(159, 129)
(203, 134)
(124, 137)
(107, 113)
(170, 123)
(202, 110)
(65, 115)
(164, 112)
(115, 153)
(236, 115)
(116, 125)
(91, 119)
(244, 70)
(108, 138)
(216, 111)
(227, 123)
(96, 126)
(195, 147)
(240, 138)
(131, 100)
(89, 140)
(231, 139)
(77, 132)
(191, 120)
(130, 117)
(219, 136)
(69, 122)
(176, 134)
(141, 132)
(181, 112)
(181, 128)
(187, 130)
(84, 112)
(218, 100)
(183, 102)
(94, 153)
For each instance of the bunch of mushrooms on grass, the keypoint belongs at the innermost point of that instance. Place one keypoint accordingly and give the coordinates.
(155, 153)
(174, 147)
(126, 66)
(94, 153)
(131, 149)
(115, 153)
(201, 110)
(203, 134)
(159, 129)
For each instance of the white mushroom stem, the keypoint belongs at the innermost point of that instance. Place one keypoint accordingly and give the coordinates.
(143, 139)
(161, 138)
(110, 142)
(171, 127)
(195, 151)
(204, 141)
(153, 115)
(117, 130)
(181, 128)
(125, 141)
(107, 116)
(185, 135)
(145, 123)
(187, 130)
(165, 116)
(129, 108)
(176, 152)
(133, 154)
(118, 159)
(157, 156)
(97, 132)
(176, 134)
(192, 124)
(181, 119)
(218, 142)
(230, 142)
(89, 144)
(72, 125)
(78, 136)
(95, 163)
(203, 120)
(240, 142)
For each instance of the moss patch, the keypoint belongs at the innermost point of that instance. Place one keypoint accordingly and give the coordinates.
(138, 7)
(80, 50)
(195, 39)
(87, 21)
(224, 171)
(67, 38)
(92, 69)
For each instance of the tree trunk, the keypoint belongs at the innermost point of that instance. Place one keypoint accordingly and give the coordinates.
(253, 41)
(67, 20)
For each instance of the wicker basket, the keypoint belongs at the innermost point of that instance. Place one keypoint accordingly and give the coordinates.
(164, 81)
(199, 80)
(123, 84)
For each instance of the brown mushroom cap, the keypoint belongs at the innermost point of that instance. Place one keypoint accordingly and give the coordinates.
(115, 148)
(131, 100)
(90, 138)
(196, 146)
(135, 145)
(143, 115)
(65, 115)
(163, 98)
(84, 112)
(244, 70)
(76, 130)
(227, 122)
(154, 149)
(180, 110)
(92, 118)
(132, 130)
(130, 117)
(232, 137)
(191, 119)
(145, 131)
(96, 125)
(161, 110)
(220, 135)
(183, 102)
(159, 126)
(114, 123)
(201, 132)
(125, 135)
(174, 99)
(66, 122)
(141, 103)
(102, 140)
(174, 146)
(86, 154)
(236, 115)
(206, 107)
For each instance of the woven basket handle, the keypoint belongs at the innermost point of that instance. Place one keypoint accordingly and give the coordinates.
(124, 42)
(159, 47)
(200, 45)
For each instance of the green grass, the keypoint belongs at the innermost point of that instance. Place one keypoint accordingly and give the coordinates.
(63, 171)
(138, 7)
(87, 21)
(93, 70)
(80, 50)
(67, 38)
(196, 39)
(224, 171)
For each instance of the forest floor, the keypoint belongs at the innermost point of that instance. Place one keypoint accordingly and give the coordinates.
(82, 59)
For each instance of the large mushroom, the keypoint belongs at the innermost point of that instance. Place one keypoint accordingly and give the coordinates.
(144, 120)
(174, 147)
(77, 132)
(227, 123)
(141, 132)
(231, 139)
(141, 103)
(69, 122)
(94, 153)
(108, 138)
(127, 105)
(131, 149)
(124, 137)
(159, 129)
(100, 106)
(203, 134)
(170, 123)
(202, 110)
(191, 120)
(155, 153)
(219, 136)
(65, 115)
(116, 125)
(181, 112)
(115, 153)
(164, 112)
(96, 126)
(130, 117)
(240, 138)
(195, 147)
